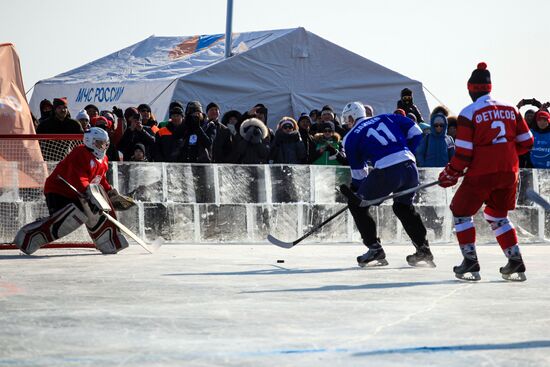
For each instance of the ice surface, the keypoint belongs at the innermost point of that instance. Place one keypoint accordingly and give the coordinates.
(215, 305)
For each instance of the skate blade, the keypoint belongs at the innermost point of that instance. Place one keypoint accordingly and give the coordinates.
(470, 277)
(514, 277)
(423, 264)
(373, 264)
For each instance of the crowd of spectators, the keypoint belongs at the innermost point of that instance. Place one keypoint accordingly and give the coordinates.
(194, 134)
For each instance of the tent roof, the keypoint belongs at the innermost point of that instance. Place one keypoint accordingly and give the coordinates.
(157, 58)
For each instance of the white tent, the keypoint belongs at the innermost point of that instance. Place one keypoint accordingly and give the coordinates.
(290, 71)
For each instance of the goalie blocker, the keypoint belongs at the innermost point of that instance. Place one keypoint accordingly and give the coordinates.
(105, 235)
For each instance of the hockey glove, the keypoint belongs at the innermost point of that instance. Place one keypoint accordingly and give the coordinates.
(120, 202)
(353, 199)
(449, 176)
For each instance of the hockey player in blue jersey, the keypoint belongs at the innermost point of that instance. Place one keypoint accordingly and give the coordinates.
(387, 142)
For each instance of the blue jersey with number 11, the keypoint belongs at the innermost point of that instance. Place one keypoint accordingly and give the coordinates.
(383, 140)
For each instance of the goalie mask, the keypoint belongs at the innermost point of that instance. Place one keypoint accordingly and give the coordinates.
(354, 109)
(97, 140)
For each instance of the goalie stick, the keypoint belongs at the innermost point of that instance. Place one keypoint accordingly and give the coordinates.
(363, 203)
(154, 246)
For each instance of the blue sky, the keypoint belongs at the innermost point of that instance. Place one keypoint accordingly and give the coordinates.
(436, 42)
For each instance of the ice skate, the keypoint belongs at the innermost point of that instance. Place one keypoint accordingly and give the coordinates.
(373, 257)
(514, 270)
(422, 257)
(468, 270)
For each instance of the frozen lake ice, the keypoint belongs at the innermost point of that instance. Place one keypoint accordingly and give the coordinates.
(234, 305)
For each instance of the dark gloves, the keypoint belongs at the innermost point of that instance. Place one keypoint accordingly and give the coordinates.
(253, 135)
(353, 199)
(118, 112)
(331, 149)
(193, 122)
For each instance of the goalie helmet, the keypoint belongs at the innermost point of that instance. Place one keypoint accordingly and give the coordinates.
(97, 140)
(354, 109)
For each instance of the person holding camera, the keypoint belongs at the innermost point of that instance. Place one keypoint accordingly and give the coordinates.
(135, 133)
(253, 147)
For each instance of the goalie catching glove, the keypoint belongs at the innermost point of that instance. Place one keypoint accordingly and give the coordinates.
(120, 202)
(449, 176)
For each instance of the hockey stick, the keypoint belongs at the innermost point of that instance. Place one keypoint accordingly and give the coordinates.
(150, 248)
(537, 199)
(364, 203)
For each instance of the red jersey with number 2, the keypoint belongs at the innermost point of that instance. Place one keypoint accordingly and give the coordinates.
(490, 135)
(81, 168)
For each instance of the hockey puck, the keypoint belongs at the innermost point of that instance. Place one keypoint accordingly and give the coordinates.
(280, 261)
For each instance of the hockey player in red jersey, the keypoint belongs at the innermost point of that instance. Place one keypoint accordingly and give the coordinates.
(490, 136)
(85, 165)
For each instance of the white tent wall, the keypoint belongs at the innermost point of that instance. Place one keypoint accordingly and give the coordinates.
(105, 95)
(296, 73)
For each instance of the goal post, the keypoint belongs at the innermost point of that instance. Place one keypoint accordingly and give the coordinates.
(26, 160)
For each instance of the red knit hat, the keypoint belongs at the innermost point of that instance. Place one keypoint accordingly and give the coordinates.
(480, 81)
(542, 114)
(101, 121)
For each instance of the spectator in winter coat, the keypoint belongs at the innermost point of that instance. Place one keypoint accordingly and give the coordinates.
(232, 120)
(406, 103)
(135, 133)
(198, 135)
(451, 126)
(147, 117)
(221, 148)
(46, 108)
(437, 148)
(253, 147)
(287, 147)
(84, 119)
(540, 154)
(260, 111)
(139, 153)
(328, 115)
(304, 128)
(92, 110)
(328, 146)
(167, 146)
(59, 122)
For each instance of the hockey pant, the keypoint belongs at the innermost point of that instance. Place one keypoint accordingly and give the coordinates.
(43, 231)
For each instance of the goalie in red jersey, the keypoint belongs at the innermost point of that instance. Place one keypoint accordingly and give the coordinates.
(490, 136)
(84, 167)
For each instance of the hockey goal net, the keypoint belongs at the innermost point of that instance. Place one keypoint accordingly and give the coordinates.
(26, 160)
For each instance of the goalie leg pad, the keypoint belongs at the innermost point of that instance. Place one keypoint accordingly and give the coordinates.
(106, 236)
(40, 232)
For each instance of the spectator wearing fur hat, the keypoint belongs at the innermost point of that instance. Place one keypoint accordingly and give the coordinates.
(440, 110)
(260, 112)
(287, 147)
(135, 133)
(328, 146)
(451, 126)
(46, 108)
(252, 148)
(232, 120)
(167, 146)
(437, 148)
(222, 145)
(328, 115)
(59, 122)
(539, 156)
(304, 128)
(406, 103)
(84, 119)
(147, 117)
(198, 135)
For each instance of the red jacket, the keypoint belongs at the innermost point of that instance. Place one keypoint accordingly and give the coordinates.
(80, 167)
(489, 137)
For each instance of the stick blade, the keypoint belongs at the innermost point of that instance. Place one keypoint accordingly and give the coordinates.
(537, 199)
(279, 243)
(155, 245)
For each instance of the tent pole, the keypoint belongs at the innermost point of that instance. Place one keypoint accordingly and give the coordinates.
(228, 26)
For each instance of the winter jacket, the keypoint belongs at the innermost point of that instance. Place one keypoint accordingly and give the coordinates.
(198, 136)
(52, 125)
(410, 108)
(222, 146)
(132, 137)
(539, 157)
(436, 148)
(251, 146)
(328, 152)
(287, 148)
(309, 145)
(167, 146)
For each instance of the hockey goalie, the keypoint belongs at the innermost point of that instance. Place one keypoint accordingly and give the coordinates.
(85, 169)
